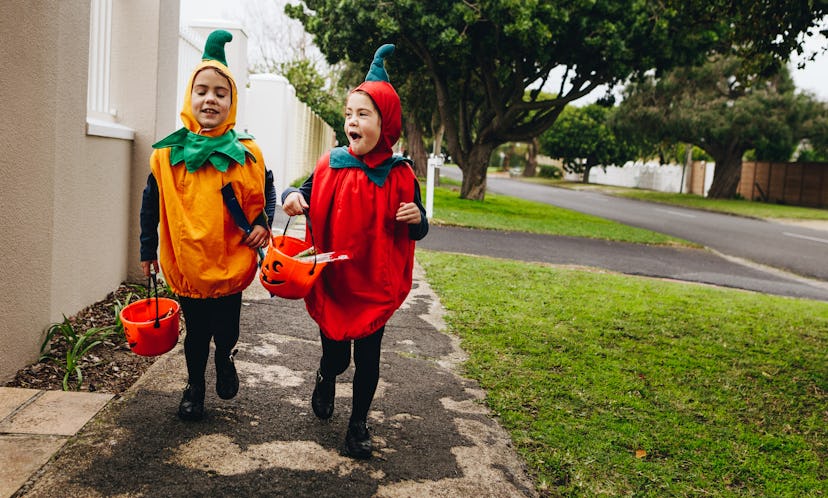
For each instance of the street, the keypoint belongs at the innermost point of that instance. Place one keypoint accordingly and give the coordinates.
(744, 253)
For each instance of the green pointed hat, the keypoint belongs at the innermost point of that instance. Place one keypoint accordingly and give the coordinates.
(214, 48)
(377, 70)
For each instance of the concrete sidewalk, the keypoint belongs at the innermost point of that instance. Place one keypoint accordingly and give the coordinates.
(432, 434)
(34, 425)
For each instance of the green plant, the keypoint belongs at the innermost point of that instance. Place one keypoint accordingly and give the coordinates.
(116, 309)
(549, 171)
(77, 346)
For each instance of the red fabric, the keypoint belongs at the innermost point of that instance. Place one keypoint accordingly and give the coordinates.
(348, 212)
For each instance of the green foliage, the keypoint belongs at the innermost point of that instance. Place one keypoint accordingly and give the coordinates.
(116, 310)
(809, 154)
(509, 155)
(664, 389)
(546, 171)
(485, 60)
(582, 138)
(312, 89)
(298, 182)
(721, 110)
(77, 345)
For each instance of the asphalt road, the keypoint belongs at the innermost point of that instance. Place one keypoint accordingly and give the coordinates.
(742, 253)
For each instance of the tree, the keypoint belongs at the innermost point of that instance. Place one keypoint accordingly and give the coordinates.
(721, 112)
(583, 139)
(311, 89)
(482, 56)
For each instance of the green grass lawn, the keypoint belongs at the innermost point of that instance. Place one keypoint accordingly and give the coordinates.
(616, 385)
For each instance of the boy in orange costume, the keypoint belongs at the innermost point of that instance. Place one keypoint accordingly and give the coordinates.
(206, 258)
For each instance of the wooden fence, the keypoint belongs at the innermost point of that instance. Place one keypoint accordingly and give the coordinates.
(796, 184)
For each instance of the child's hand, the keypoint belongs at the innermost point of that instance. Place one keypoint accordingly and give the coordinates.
(258, 237)
(409, 213)
(146, 265)
(294, 204)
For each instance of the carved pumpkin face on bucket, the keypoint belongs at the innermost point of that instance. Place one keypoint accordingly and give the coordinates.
(285, 276)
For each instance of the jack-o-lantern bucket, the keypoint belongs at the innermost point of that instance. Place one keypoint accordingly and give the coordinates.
(291, 266)
(285, 276)
(151, 326)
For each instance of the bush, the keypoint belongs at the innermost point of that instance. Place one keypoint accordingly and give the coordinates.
(546, 171)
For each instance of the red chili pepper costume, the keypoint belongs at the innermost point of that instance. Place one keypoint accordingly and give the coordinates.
(353, 205)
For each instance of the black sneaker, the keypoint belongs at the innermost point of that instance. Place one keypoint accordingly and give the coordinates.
(358, 441)
(322, 400)
(192, 404)
(227, 379)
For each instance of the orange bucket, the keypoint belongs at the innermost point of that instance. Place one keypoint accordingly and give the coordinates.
(151, 325)
(283, 275)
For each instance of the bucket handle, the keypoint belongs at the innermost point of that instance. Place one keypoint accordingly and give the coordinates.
(310, 229)
(152, 283)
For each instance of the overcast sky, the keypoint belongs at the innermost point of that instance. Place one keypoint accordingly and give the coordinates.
(813, 78)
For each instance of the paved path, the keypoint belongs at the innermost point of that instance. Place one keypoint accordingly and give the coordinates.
(432, 432)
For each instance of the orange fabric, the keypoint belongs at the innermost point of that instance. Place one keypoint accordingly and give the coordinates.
(200, 246)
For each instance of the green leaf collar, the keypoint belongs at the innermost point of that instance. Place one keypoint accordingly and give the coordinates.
(341, 158)
(196, 150)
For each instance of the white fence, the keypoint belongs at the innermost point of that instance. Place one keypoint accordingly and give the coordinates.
(290, 135)
(649, 175)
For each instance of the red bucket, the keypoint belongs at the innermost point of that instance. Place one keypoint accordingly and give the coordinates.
(151, 325)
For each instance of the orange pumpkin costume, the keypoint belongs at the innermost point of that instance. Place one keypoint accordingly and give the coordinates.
(200, 247)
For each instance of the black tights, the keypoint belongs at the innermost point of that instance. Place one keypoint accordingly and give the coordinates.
(336, 356)
(207, 319)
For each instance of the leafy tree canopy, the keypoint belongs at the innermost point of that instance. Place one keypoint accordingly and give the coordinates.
(482, 56)
(724, 113)
(582, 138)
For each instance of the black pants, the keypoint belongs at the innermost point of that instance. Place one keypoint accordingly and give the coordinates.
(207, 319)
(336, 356)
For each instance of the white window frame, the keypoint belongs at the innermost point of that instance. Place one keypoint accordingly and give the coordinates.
(100, 116)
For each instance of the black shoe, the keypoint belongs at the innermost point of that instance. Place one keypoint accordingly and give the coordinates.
(358, 441)
(227, 380)
(192, 404)
(322, 400)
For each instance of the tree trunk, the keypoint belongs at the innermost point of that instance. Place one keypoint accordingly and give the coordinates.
(507, 161)
(726, 176)
(531, 168)
(474, 168)
(586, 172)
(416, 146)
(438, 138)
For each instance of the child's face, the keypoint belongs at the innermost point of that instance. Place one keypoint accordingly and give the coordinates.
(211, 98)
(363, 123)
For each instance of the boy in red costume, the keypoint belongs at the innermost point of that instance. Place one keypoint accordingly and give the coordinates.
(363, 200)
(207, 260)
